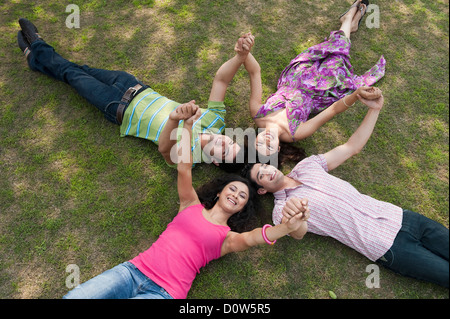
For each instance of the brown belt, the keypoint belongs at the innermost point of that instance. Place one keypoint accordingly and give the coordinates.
(126, 99)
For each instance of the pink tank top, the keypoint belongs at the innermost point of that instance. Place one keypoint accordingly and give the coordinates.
(189, 243)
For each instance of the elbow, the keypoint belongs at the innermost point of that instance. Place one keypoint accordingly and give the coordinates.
(353, 149)
(256, 71)
(357, 150)
(165, 154)
(164, 149)
(184, 171)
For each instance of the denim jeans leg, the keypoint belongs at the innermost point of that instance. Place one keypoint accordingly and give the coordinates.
(417, 253)
(115, 283)
(120, 80)
(435, 237)
(124, 281)
(102, 88)
(150, 290)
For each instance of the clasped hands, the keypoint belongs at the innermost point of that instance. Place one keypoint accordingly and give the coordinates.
(244, 45)
(295, 212)
(372, 97)
(189, 112)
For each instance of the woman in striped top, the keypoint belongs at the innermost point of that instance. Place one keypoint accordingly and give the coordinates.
(137, 108)
(401, 240)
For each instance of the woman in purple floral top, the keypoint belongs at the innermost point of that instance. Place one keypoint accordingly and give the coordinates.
(319, 79)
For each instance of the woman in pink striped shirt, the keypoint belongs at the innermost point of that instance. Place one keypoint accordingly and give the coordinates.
(401, 240)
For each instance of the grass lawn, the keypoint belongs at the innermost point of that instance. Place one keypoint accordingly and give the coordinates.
(73, 192)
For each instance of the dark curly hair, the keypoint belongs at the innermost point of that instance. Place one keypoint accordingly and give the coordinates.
(240, 222)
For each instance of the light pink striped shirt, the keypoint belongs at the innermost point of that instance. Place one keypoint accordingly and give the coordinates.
(339, 211)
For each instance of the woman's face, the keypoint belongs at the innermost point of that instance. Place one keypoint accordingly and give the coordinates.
(267, 143)
(234, 197)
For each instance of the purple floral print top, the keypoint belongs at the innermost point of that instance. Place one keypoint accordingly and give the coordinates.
(316, 78)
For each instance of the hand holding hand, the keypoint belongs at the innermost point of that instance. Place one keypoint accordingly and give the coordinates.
(244, 45)
(184, 111)
(296, 206)
(371, 97)
(369, 93)
(297, 220)
(296, 211)
(194, 117)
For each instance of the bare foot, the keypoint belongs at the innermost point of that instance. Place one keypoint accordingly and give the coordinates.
(350, 14)
(357, 17)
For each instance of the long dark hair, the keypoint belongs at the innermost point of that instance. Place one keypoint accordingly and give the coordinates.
(239, 222)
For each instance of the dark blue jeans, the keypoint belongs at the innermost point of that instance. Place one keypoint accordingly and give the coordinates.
(420, 250)
(102, 88)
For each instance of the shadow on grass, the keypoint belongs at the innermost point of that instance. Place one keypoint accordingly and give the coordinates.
(73, 191)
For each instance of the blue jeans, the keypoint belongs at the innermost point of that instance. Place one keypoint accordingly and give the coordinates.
(124, 281)
(102, 88)
(420, 250)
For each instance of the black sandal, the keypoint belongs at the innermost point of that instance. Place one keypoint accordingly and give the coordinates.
(365, 2)
(352, 6)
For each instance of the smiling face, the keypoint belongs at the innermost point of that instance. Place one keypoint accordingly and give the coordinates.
(221, 148)
(267, 142)
(234, 197)
(267, 176)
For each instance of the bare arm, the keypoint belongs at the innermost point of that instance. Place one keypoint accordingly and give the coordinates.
(228, 70)
(182, 112)
(293, 224)
(254, 71)
(235, 242)
(359, 139)
(186, 191)
(307, 128)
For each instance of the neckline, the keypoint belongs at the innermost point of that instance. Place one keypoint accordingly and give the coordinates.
(208, 221)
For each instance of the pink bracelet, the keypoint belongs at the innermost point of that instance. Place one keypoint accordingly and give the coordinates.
(264, 235)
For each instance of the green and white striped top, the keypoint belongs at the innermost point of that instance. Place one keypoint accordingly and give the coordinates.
(148, 112)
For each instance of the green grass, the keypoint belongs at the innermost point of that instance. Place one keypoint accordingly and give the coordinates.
(73, 192)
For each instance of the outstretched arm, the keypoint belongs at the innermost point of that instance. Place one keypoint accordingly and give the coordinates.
(254, 71)
(235, 242)
(186, 191)
(182, 112)
(307, 128)
(359, 139)
(228, 70)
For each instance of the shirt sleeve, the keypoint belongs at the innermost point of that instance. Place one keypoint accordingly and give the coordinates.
(320, 159)
(217, 107)
(277, 214)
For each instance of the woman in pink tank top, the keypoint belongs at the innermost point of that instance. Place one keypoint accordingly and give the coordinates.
(208, 226)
